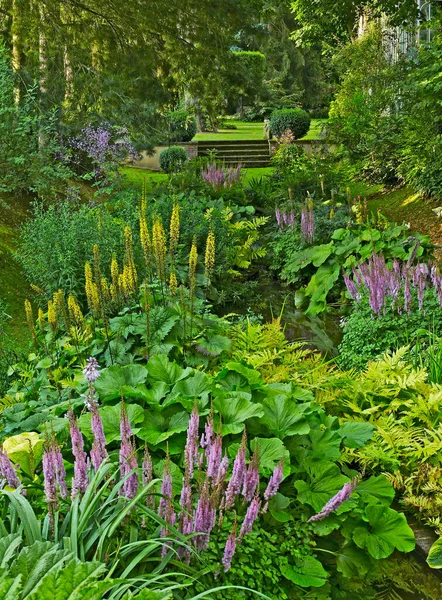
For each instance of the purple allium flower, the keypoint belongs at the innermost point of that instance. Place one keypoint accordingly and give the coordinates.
(335, 502)
(274, 483)
(191, 449)
(80, 479)
(229, 549)
(60, 472)
(251, 478)
(237, 479)
(128, 457)
(7, 470)
(98, 452)
(251, 516)
(91, 371)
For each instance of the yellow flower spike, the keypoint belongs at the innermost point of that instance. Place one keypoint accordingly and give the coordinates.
(209, 261)
(159, 248)
(105, 291)
(88, 286)
(115, 274)
(129, 256)
(146, 242)
(95, 297)
(173, 283)
(41, 319)
(174, 233)
(113, 292)
(30, 317)
(52, 316)
(193, 259)
(75, 311)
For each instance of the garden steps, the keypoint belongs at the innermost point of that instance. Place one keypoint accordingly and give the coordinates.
(248, 153)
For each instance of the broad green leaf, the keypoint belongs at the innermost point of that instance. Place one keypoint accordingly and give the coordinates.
(352, 562)
(196, 386)
(8, 547)
(10, 589)
(325, 444)
(434, 558)
(214, 346)
(156, 428)
(234, 409)
(120, 381)
(325, 480)
(306, 571)
(283, 417)
(35, 561)
(175, 471)
(111, 418)
(376, 489)
(254, 378)
(356, 434)
(160, 368)
(271, 450)
(26, 450)
(386, 531)
(67, 583)
(320, 285)
(278, 506)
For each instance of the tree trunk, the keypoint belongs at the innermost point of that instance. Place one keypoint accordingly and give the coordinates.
(17, 45)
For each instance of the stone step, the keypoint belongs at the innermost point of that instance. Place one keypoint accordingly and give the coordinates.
(240, 152)
(215, 143)
(248, 163)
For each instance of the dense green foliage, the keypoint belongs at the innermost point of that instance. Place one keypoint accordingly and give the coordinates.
(172, 159)
(294, 120)
(182, 126)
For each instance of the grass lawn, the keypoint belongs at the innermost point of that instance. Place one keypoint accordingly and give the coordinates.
(14, 287)
(136, 177)
(253, 131)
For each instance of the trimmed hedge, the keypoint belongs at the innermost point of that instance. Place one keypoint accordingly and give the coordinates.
(172, 159)
(183, 126)
(295, 119)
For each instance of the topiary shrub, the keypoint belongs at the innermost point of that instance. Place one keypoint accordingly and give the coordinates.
(172, 159)
(295, 119)
(182, 125)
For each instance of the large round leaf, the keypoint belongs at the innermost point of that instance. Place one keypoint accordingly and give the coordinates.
(325, 480)
(25, 450)
(434, 558)
(386, 531)
(234, 409)
(271, 450)
(306, 571)
(283, 417)
(120, 381)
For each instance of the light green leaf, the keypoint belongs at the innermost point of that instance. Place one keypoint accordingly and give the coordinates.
(235, 408)
(160, 368)
(283, 417)
(325, 480)
(306, 571)
(434, 558)
(320, 285)
(377, 489)
(196, 386)
(356, 434)
(278, 508)
(157, 429)
(271, 450)
(386, 531)
(254, 378)
(25, 450)
(120, 381)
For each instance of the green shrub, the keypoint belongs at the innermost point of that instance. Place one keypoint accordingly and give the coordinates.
(295, 119)
(172, 159)
(182, 125)
(366, 336)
